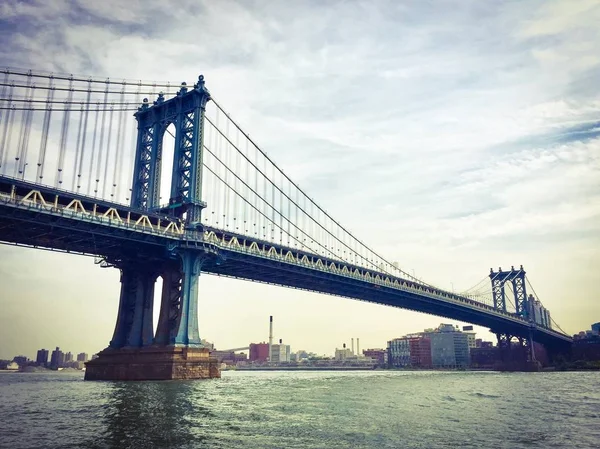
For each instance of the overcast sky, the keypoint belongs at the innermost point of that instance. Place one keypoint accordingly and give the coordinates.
(452, 136)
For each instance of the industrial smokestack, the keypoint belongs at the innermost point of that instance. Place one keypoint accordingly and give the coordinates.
(280, 341)
(270, 338)
(352, 345)
(357, 346)
(344, 345)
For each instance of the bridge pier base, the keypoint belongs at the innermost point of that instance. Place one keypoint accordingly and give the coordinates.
(153, 363)
(515, 356)
(175, 352)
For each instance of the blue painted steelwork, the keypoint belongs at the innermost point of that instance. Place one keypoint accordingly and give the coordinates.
(134, 327)
(517, 278)
(186, 111)
(178, 319)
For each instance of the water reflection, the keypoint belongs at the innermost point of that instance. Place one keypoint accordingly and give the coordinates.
(153, 415)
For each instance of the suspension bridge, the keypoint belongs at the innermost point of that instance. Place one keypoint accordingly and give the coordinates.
(156, 179)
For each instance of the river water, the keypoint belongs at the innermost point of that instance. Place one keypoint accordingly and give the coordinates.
(375, 409)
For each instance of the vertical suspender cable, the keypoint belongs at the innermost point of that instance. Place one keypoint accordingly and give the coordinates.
(110, 123)
(265, 211)
(24, 133)
(237, 183)
(119, 155)
(7, 114)
(93, 155)
(273, 210)
(7, 131)
(102, 128)
(64, 135)
(225, 157)
(247, 196)
(79, 137)
(80, 156)
(45, 130)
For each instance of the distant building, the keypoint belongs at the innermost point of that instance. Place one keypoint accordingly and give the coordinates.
(399, 352)
(82, 357)
(444, 347)
(449, 347)
(12, 366)
(57, 359)
(42, 357)
(379, 355)
(468, 330)
(259, 352)
(484, 357)
(586, 345)
(280, 353)
(341, 355)
(229, 357)
(68, 358)
(20, 360)
(420, 351)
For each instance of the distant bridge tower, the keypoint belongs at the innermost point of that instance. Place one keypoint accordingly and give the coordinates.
(517, 278)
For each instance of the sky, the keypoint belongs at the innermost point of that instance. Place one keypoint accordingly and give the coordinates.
(451, 136)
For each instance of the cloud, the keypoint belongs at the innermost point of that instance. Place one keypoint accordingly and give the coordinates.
(450, 136)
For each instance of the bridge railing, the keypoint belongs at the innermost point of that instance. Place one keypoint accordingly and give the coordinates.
(90, 210)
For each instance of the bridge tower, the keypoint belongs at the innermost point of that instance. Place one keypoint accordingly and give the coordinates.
(175, 350)
(517, 279)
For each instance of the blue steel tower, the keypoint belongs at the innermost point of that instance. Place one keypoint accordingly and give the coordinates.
(186, 112)
(178, 320)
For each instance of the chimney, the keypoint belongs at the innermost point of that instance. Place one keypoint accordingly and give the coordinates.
(352, 345)
(280, 341)
(270, 337)
(344, 345)
(357, 346)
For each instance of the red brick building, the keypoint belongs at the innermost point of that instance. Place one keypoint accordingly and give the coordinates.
(259, 352)
(420, 352)
(379, 355)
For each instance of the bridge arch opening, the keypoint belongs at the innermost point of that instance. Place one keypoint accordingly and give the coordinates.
(158, 287)
(167, 161)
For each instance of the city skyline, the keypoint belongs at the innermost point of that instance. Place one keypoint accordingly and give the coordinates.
(445, 148)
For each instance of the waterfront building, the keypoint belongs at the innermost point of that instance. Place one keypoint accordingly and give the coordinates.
(444, 347)
(229, 357)
(378, 355)
(399, 352)
(341, 355)
(449, 347)
(82, 357)
(42, 357)
(20, 360)
(420, 351)
(259, 352)
(484, 357)
(68, 357)
(280, 353)
(12, 366)
(470, 336)
(596, 328)
(57, 359)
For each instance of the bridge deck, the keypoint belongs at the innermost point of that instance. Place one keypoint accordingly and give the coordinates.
(38, 216)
